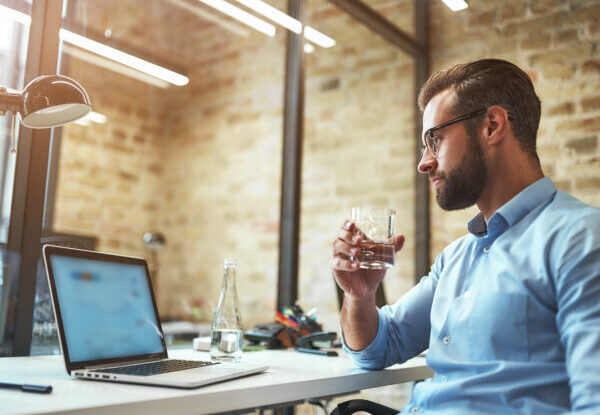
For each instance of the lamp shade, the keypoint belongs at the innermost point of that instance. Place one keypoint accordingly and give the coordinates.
(154, 240)
(52, 101)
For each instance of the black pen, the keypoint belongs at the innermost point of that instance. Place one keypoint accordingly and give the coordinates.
(27, 388)
(332, 353)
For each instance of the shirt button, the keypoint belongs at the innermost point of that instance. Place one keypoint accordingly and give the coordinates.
(443, 378)
(446, 340)
(467, 294)
(486, 249)
(414, 410)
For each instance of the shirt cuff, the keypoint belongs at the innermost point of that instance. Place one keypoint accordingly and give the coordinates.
(374, 349)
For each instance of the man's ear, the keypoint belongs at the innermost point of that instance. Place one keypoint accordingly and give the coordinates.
(495, 124)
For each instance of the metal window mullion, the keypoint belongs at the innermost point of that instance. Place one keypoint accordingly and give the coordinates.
(289, 226)
(30, 174)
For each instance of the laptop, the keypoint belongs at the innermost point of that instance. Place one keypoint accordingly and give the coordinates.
(109, 327)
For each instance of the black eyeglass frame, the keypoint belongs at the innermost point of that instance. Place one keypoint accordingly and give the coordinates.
(432, 144)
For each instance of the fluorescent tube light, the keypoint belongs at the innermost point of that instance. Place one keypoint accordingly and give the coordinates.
(317, 37)
(96, 117)
(92, 117)
(273, 14)
(111, 65)
(212, 17)
(456, 5)
(308, 48)
(106, 51)
(239, 14)
(17, 16)
(124, 58)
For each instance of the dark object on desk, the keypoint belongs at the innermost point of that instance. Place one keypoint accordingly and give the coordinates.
(315, 342)
(27, 388)
(265, 334)
(322, 352)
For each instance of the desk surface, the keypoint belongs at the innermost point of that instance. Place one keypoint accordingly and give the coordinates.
(292, 377)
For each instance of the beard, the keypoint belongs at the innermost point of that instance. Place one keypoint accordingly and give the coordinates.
(462, 186)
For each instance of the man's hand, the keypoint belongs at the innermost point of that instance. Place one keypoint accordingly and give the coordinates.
(359, 315)
(356, 282)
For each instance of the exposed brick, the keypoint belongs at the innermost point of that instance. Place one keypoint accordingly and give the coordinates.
(536, 41)
(563, 55)
(481, 19)
(330, 84)
(590, 104)
(562, 109)
(187, 147)
(119, 135)
(566, 36)
(543, 6)
(586, 124)
(591, 66)
(564, 185)
(558, 71)
(585, 183)
(510, 10)
(583, 145)
(536, 24)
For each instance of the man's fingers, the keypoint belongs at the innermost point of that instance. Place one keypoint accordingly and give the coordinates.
(349, 237)
(398, 242)
(341, 264)
(344, 248)
(350, 227)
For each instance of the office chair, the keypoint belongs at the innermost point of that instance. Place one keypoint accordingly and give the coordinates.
(362, 405)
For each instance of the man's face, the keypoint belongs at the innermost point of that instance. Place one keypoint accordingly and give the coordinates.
(459, 171)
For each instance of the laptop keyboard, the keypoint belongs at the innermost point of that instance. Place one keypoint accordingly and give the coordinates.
(156, 368)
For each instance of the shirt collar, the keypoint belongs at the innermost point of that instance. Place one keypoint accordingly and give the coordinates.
(516, 208)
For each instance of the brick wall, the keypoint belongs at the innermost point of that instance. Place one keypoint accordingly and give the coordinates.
(204, 166)
(109, 174)
(557, 43)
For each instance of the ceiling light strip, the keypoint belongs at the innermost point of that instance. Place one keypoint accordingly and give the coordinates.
(273, 14)
(242, 16)
(318, 38)
(456, 5)
(111, 65)
(92, 117)
(15, 15)
(124, 58)
(105, 51)
(211, 16)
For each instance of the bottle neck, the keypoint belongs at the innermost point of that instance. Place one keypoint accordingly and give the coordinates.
(229, 277)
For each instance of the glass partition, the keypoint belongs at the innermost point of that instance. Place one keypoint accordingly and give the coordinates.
(14, 35)
(180, 165)
(359, 137)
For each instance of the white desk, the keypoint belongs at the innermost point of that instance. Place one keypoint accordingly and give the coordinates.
(292, 377)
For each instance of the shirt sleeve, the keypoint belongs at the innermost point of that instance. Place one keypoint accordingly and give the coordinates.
(404, 327)
(577, 273)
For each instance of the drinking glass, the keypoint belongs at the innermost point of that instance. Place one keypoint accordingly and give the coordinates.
(376, 226)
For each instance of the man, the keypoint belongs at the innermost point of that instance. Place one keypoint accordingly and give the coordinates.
(510, 312)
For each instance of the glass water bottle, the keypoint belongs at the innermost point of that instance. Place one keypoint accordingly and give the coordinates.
(227, 337)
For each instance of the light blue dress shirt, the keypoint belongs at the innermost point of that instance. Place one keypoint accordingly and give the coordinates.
(510, 314)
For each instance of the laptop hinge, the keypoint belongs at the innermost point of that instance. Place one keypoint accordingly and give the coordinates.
(127, 363)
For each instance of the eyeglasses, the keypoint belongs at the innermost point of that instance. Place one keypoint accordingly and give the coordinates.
(433, 142)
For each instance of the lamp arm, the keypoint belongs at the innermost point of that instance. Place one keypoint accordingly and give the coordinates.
(10, 102)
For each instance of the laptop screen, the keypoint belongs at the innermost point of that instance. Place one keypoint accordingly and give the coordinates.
(106, 308)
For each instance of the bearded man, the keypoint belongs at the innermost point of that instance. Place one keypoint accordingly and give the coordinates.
(510, 312)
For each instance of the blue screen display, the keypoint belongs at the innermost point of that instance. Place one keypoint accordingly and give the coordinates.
(106, 309)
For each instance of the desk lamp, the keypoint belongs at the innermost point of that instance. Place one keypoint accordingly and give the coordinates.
(154, 240)
(47, 101)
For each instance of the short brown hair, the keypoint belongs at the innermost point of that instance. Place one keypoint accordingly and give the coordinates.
(483, 83)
